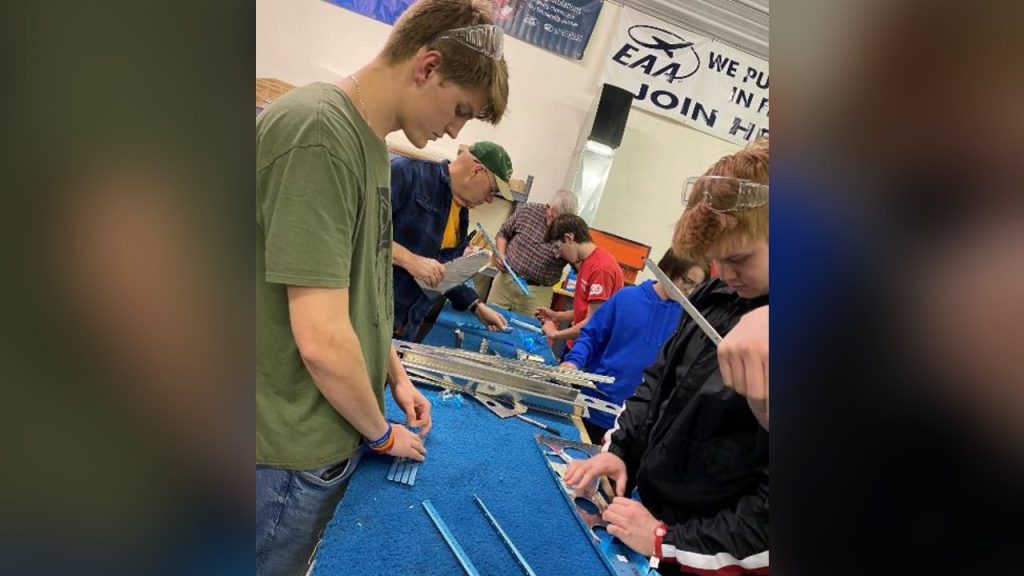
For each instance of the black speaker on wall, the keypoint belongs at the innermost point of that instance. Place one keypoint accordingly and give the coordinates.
(611, 115)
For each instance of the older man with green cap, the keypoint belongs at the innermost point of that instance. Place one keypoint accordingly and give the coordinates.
(430, 204)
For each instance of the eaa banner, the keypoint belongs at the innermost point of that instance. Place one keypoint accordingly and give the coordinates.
(691, 79)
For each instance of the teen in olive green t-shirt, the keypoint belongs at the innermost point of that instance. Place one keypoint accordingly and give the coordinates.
(323, 219)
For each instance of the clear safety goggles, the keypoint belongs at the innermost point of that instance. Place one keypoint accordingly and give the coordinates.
(486, 39)
(724, 193)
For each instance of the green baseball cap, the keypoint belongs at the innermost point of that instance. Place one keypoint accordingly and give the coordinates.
(497, 161)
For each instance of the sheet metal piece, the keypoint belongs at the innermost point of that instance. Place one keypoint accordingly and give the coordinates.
(456, 272)
(613, 553)
(500, 407)
(460, 554)
(504, 537)
(676, 294)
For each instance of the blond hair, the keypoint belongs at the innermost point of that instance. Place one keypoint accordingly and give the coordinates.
(421, 25)
(701, 227)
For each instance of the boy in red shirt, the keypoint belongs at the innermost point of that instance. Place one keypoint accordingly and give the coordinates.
(598, 276)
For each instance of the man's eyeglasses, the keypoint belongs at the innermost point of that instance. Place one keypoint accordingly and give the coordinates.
(724, 193)
(689, 283)
(494, 192)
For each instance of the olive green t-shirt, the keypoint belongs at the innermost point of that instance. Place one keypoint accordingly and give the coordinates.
(323, 219)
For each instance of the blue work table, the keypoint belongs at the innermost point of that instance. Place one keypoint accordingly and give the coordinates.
(380, 526)
(504, 343)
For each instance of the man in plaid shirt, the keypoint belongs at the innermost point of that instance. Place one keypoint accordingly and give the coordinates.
(520, 240)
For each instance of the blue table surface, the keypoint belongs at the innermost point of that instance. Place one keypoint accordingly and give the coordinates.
(504, 343)
(381, 527)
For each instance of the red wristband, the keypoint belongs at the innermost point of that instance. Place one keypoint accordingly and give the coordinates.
(659, 534)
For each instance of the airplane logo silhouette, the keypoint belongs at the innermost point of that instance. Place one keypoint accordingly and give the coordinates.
(650, 40)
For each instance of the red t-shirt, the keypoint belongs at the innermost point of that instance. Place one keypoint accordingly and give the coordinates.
(598, 278)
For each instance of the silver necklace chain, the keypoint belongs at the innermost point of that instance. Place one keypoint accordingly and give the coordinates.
(362, 104)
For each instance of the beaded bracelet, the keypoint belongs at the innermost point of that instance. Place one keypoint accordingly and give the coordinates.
(385, 442)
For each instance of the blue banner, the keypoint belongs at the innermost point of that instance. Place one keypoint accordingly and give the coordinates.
(387, 11)
(561, 26)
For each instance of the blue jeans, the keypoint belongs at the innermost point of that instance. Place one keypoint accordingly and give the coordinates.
(292, 508)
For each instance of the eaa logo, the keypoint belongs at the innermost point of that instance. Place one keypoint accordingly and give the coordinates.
(596, 289)
(667, 54)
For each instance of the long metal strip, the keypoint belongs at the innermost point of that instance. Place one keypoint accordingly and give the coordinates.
(581, 406)
(460, 554)
(504, 537)
(558, 375)
(519, 281)
(464, 369)
(526, 369)
(676, 294)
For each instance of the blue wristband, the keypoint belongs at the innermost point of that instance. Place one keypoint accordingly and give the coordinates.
(383, 439)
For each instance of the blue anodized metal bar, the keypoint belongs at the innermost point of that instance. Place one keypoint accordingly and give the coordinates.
(460, 554)
(505, 538)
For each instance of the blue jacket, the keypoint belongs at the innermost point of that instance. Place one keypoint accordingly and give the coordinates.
(621, 339)
(421, 198)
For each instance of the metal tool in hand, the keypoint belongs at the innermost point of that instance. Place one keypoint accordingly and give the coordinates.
(676, 294)
(519, 281)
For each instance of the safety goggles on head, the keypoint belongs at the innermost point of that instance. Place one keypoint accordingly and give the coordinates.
(724, 193)
(486, 39)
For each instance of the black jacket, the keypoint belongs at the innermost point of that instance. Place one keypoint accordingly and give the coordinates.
(694, 450)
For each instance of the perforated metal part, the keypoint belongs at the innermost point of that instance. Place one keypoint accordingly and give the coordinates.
(542, 387)
(534, 370)
(590, 522)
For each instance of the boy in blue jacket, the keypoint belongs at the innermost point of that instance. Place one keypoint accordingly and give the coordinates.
(626, 333)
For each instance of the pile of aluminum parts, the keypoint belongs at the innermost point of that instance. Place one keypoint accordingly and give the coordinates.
(539, 386)
(403, 470)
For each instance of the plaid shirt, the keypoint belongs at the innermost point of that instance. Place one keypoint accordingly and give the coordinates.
(532, 258)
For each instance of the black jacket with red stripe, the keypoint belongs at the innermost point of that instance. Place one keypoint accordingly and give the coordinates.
(695, 452)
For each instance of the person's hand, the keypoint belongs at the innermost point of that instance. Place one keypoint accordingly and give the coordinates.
(743, 358)
(407, 444)
(427, 270)
(549, 328)
(414, 404)
(629, 521)
(488, 317)
(582, 475)
(568, 365)
(470, 249)
(499, 263)
(545, 314)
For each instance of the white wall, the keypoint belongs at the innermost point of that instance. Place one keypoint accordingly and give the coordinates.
(301, 41)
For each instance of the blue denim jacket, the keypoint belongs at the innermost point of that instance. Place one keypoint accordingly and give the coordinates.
(421, 198)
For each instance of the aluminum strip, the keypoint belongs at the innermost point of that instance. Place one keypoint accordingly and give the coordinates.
(676, 294)
(505, 538)
(460, 554)
(525, 368)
